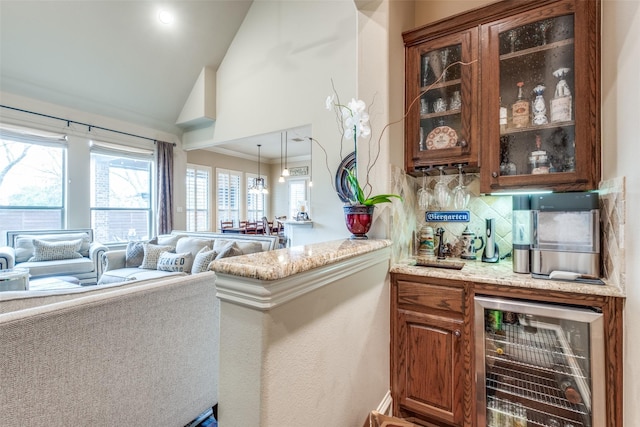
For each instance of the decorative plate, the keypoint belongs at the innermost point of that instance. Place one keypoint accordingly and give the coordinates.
(342, 183)
(442, 137)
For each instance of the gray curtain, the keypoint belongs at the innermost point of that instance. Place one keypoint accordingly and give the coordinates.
(164, 166)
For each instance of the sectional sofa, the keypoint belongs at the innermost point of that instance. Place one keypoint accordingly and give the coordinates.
(128, 354)
(177, 254)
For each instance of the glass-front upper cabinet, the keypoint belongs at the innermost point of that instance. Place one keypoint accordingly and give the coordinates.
(540, 87)
(440, 127)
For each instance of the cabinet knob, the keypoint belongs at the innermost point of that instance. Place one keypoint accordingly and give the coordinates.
(494, 174)
(463, 143)
(457, 333)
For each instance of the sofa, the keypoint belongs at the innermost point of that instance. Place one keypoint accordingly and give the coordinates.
(177, 254)
(48, 253)
(129, 354)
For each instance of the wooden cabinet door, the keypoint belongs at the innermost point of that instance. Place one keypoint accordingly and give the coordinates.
(540, 98)
(441, 96)
(429, 367)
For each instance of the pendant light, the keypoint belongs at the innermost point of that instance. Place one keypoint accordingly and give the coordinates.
(281, 179)
(258, 186)
(285, 171)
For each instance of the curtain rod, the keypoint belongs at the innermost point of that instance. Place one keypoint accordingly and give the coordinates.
(89, 126)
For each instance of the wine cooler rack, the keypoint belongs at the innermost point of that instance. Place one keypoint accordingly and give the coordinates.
(524, 368)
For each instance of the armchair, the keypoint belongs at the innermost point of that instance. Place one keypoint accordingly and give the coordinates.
(85, 263)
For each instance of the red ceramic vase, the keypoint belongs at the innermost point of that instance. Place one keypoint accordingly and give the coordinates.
(358, 219)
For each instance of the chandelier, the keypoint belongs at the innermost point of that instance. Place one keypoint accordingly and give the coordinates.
(258, 186)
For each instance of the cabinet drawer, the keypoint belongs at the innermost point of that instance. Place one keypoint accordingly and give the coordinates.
(430, 296)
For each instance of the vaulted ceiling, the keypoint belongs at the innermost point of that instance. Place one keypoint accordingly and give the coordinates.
(114, 58)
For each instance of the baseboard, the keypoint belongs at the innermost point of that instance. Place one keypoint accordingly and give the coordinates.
(386, 405)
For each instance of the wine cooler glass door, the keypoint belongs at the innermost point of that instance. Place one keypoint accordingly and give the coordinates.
(538, 364)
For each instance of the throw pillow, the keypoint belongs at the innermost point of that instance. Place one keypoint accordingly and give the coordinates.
(229, 250)
(169, 239)
(192, 244)
(135, 253)
(250, 247)
(151, 255)
(24, 243)
(51, 251)
(203, 259)
(175, 262)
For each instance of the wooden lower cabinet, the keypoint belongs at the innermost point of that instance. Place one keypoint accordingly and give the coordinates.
(428, 345)
(432, 346)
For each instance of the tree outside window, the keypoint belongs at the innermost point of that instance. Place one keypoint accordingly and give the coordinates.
(32, 177)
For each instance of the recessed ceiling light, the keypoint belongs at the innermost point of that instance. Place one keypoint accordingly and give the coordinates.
(165, 17)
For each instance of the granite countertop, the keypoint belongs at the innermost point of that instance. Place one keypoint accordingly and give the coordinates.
(281, 263)
(501, 273)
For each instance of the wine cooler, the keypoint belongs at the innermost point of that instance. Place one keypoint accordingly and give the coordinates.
(538, 365)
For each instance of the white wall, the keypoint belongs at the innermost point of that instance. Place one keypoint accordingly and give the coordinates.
(277, 74)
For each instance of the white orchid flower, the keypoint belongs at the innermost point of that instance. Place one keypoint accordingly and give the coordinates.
(330, 101)
(356, 119)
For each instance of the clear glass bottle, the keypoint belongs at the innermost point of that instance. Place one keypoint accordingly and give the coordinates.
(503, 117)
(520, 109)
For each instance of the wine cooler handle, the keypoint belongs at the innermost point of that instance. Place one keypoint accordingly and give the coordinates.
(457, 333)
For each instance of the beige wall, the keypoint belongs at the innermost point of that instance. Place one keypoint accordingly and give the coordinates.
(320, 358)
(277, 200)
(620, 154)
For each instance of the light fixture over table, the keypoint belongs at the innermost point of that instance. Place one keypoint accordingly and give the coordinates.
(258, 187)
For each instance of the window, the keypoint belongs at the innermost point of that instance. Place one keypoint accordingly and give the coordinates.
(297, 195)
(120, 193)
(228, 190)
(198, 198)
(32, 177)
(255, 202)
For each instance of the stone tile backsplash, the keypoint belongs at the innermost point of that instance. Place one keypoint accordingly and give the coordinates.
(480, 208)
(408, 219)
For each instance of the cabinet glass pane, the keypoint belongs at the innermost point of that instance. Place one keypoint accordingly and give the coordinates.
(537, 122)
(441, 101)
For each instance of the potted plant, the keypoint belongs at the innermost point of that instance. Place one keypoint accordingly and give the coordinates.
(359, 203)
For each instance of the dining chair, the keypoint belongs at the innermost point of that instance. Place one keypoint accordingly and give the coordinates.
(251, 227)
(267, 228)
(279, 227)
(226, 224)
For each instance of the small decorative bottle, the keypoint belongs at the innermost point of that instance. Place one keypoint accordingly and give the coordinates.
(560, 105)
(456, 102)
(538, 106)
(424, 108)
(503, 117)
(520, 109)
(538, 160)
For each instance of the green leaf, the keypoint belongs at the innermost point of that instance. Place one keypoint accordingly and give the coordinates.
(359, 194)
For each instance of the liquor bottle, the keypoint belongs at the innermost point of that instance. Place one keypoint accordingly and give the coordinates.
(520, 109)
(560, 105)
